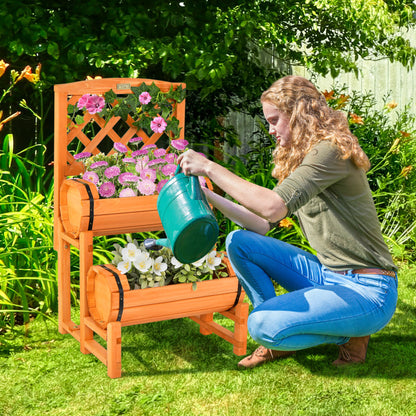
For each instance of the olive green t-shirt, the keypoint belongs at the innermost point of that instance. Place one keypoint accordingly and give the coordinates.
(332, 200)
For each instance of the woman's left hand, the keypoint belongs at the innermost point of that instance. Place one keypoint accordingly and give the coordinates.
(193, 163)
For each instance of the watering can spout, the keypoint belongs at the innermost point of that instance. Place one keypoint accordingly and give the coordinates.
(154, 245)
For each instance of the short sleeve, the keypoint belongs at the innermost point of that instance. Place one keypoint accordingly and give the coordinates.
(320, 168)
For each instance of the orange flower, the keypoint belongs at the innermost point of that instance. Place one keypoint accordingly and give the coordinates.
(354, 119)
(404, 133)
(328, 95)
(342, 101)
(3, 67)
(23, 73)
(286, 223)
(33, 78)
(2, 123)
(391, 105)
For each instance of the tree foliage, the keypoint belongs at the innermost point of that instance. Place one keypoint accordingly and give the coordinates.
(216, 47)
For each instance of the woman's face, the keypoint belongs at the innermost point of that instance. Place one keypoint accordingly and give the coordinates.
(278, 124)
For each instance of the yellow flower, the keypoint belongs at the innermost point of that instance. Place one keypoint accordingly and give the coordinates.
(90, 78)
(3, 67)
(286, 223)
(405, 171)
(395, 146)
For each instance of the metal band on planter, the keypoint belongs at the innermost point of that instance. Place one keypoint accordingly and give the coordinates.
(90, 197)
(120, 291)
(237, 298)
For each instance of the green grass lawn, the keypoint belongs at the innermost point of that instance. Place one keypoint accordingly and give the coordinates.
(169, 368)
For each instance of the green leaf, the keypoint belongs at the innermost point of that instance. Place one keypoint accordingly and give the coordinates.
(53, 49)
(79, 119)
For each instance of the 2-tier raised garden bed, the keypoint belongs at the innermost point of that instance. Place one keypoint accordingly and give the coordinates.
(106, 301)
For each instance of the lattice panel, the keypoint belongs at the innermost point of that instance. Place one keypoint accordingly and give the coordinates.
(95, 131)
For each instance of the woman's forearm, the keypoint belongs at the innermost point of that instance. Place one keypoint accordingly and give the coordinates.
(237, 213)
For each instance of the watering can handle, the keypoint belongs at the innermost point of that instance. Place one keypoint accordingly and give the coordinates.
(196, 192)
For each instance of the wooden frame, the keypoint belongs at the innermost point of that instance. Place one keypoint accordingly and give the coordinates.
(79, 215)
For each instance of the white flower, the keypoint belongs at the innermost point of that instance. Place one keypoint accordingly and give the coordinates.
(199, 262)
(130, 252)
(212, 261)
(142, 262)
(124, 266)
(175, 262)
(159, 266)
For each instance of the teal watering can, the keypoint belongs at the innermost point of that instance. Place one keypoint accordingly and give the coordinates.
(189, 223)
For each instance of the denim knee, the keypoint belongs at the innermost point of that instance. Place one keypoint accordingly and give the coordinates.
(234, 242)
(258, 326)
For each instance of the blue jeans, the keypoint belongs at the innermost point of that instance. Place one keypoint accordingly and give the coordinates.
(322, 307)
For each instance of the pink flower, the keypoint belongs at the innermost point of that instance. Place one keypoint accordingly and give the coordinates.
(82, 102)
(148, 174)
(179, 144)
(126, 192)
(82, 155)
(158, 124)
(145, 97)
(129, 160)
(149, 147)
(95, 104)
(128, 177)
(158, 161)
(98, 164)
(202, 181)
(120, 147)
(140, 152)
(171, 157)
(169, 170)
(107, 189)
(91, 177)
(146, 187)
(142, 163)
(112, 172)
(160, 185)
(135, 140)
(159, 152)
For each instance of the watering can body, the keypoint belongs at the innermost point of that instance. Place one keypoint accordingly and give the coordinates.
(189, 223)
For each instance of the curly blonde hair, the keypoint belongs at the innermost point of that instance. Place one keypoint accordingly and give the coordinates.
(311, 121)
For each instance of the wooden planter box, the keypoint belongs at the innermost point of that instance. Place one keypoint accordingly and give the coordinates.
(113, 305)
(82, 209)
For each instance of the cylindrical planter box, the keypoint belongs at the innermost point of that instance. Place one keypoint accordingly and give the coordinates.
(110, 298)
(82, 210)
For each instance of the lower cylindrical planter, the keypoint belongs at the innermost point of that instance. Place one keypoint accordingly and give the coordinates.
(110, 298)
(112, 305)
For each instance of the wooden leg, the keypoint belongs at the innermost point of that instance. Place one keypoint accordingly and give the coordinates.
(114, 349)
(208, 318)
(240, 328)
(64, 286)
(85, 262)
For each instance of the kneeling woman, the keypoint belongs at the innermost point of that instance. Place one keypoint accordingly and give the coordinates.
(348, 290)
